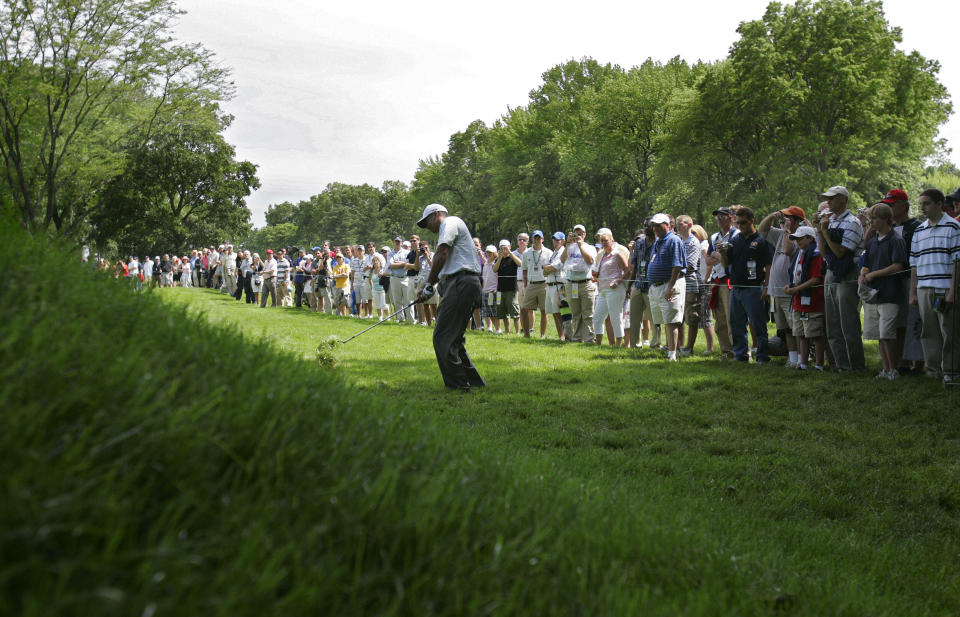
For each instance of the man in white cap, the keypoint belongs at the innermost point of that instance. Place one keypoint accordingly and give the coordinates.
(535, 296)
(578, 257)
(840, 238)
(229, 260)
(457, 268)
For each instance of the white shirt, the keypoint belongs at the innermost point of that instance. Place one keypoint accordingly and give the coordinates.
(533, 262)
(270, 268)
(463, 254)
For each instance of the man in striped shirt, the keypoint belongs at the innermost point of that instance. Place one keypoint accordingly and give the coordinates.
(283, 278)
(840, 237)
(934, 262)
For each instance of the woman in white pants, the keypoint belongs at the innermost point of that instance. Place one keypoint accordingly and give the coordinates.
(610, 268)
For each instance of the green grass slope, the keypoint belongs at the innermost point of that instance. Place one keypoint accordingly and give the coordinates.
(179, 453)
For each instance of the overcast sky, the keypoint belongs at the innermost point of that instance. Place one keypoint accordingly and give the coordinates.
(360, 91)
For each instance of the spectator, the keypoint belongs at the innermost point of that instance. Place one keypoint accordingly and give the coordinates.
(489, 282)
(884, 259)
(299, 278)
(148, 268)
(396, 261)
(283, 279)
(269, 275)
(581, 291)
(784, 254)
(639, 334)
(341, 278)
(186, 272)
(535, 296)
(229, 259)
(366, 282)
(667, 284)
(909, 349)
(706, 319)
(841, 242)
(951, 204)
(554, 276)
(412, 268)
(610, 270)
(748, 261)
(806, 288)
(720, 279)
(935, 261)
(691, 302)
(506, 267)
(429, 306)
(523, 241)
(379, 276)
(246, 286)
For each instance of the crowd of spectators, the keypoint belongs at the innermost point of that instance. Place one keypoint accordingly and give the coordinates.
(812, 277)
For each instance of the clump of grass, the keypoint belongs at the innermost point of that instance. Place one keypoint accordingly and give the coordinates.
(326, 352)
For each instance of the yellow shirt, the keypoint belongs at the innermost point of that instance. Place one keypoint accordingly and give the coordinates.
(338, 271)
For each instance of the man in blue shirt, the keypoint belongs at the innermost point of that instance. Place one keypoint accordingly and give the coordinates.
(668, 262)
(747, 259)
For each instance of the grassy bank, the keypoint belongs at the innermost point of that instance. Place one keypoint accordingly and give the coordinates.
(180, 453)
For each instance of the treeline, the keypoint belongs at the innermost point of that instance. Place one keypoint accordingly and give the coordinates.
(811, 95)
(111, 131)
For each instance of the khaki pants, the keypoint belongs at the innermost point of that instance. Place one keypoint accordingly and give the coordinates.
(940, 351)
(230, 280)
(721, 319)
(581, 310)
(639, 310)
(841, 305)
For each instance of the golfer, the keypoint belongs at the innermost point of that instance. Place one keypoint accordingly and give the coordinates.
(456, 266)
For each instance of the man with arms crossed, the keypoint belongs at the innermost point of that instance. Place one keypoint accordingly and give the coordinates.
(457, 268)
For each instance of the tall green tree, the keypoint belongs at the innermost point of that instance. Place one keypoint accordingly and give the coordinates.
(81, 81)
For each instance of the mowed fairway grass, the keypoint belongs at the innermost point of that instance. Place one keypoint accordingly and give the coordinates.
(701, 487)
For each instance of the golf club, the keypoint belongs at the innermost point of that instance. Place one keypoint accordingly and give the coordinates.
(387, 318)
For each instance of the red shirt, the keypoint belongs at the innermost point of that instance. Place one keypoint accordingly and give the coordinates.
(814, 302)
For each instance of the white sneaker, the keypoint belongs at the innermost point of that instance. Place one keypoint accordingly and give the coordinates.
(500, 331)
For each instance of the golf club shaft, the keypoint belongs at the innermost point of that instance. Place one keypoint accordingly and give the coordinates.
(387, 318)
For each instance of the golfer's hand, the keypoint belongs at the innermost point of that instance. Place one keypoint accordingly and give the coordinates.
(425, 294)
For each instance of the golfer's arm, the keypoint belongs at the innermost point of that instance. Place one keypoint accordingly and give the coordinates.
(439, 259)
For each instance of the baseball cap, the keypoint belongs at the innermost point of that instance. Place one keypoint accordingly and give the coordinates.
(803, 231)
(504, 242)
(580, 228)
(537, 232)
(894, 195)
(384, 249)
(604, 231)
(954, 196)
(833, 191)
(794, 211)
(660, 218)
(398, 239)
(428, 211)
(490, 249)
(723, 210)
(405, 244)
(269, 251)
(559, 235)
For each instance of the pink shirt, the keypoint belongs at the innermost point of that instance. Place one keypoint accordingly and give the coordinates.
(609, 270)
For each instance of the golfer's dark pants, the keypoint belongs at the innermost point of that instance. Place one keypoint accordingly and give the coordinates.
(461, 294)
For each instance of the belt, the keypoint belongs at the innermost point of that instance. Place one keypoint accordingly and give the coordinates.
(659, 283)
(536, 282)
(557, 283)
(460, 273)
(583, 280)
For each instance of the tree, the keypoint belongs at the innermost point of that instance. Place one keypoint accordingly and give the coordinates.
(815, 94)
(181, 189)
(81, 81)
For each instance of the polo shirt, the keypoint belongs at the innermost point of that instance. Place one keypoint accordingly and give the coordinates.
(666, 253)
(880, 253)
(463, 253)
(340, 269)
(692, 248)
(934, 251)
(746, 249)
(413, 258)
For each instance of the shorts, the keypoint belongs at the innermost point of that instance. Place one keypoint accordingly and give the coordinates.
(535, 296)
(663, 311)
(508, 306)
(880, 321)
(341, 296)
(365, 291)
(691, 310)
(553, 298)
(490, 304)
(814, 326)
(782, 313)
